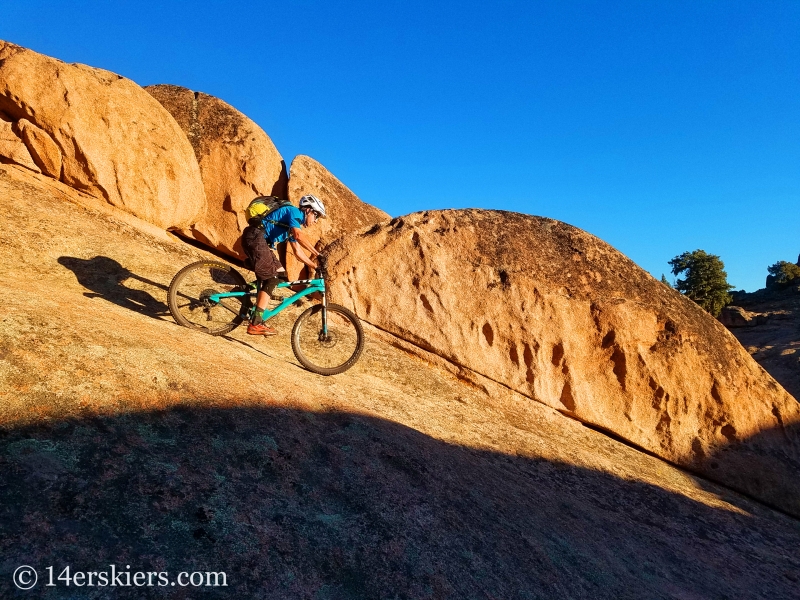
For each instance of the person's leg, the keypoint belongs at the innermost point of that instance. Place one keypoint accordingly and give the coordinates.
(261, 303)
(265, 266)
(265, 289)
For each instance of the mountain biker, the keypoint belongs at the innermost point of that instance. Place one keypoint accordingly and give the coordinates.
(284, 224)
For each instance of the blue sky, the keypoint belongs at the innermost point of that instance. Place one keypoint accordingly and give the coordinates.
(660, 127)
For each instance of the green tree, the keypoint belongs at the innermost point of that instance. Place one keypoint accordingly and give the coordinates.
(784, 272)
(664, 281)
(706, 281)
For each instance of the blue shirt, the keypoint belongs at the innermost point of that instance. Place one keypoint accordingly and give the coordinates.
(286, 218)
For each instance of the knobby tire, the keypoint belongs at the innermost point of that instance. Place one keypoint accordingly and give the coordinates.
(335, 353)
(188, 297)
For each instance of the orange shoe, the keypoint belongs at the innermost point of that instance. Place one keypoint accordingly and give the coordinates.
(261, 329)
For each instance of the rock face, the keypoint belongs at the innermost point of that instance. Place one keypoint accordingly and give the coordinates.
(346, 212)
(13, 149)
(101, 134)
(775, 342)
(43, 149)
(558, 315)
(147, 440)
(736, 316)
(237, 161)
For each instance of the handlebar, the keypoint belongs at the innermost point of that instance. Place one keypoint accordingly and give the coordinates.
(322, 271)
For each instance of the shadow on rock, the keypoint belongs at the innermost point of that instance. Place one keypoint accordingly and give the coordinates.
(105, 278)
(766, 465)
(293, 504)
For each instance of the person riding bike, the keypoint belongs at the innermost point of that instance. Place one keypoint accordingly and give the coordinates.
(284, 224)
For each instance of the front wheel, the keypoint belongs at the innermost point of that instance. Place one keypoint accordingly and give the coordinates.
(331, 352)
(189, 297)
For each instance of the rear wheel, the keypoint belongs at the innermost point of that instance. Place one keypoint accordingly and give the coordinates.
(332, 352)
(190, 292)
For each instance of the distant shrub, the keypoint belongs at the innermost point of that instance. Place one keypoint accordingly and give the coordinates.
(706, 280)
(784, 272)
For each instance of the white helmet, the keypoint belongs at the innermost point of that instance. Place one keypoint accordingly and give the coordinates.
(314, 204)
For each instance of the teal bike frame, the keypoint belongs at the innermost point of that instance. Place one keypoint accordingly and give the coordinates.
(314, 285)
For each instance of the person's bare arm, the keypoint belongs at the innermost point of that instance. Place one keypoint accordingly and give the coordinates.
(304, 242)
(302, 257)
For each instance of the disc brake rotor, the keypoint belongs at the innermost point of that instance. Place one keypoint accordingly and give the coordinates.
(205, 298)
(327, 341)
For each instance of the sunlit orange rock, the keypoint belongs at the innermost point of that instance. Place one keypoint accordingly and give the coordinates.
(13, 150)
(237, 160)
(44, 151)
(560, 316)
(346, 212)
(113, 139)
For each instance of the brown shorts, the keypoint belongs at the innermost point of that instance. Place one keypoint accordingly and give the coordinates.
(260, 257)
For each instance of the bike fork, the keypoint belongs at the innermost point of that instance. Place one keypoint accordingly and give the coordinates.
(324, 314)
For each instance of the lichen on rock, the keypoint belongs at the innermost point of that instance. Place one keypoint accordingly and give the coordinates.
(237, 159)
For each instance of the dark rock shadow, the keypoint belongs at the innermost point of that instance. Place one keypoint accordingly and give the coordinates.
(281, 187)
(292, 504)
(765, 466)
(772, 336)
(105, 278)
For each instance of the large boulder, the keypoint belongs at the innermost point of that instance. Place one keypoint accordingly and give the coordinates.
(101, 134)
(346, 212)
(562, 317)
(736, 316)
(237, 161)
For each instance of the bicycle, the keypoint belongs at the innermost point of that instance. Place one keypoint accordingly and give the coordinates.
(214, 297)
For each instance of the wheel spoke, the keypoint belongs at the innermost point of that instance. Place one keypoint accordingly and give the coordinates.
(190, 297)
(233, 310)
(333, 352)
